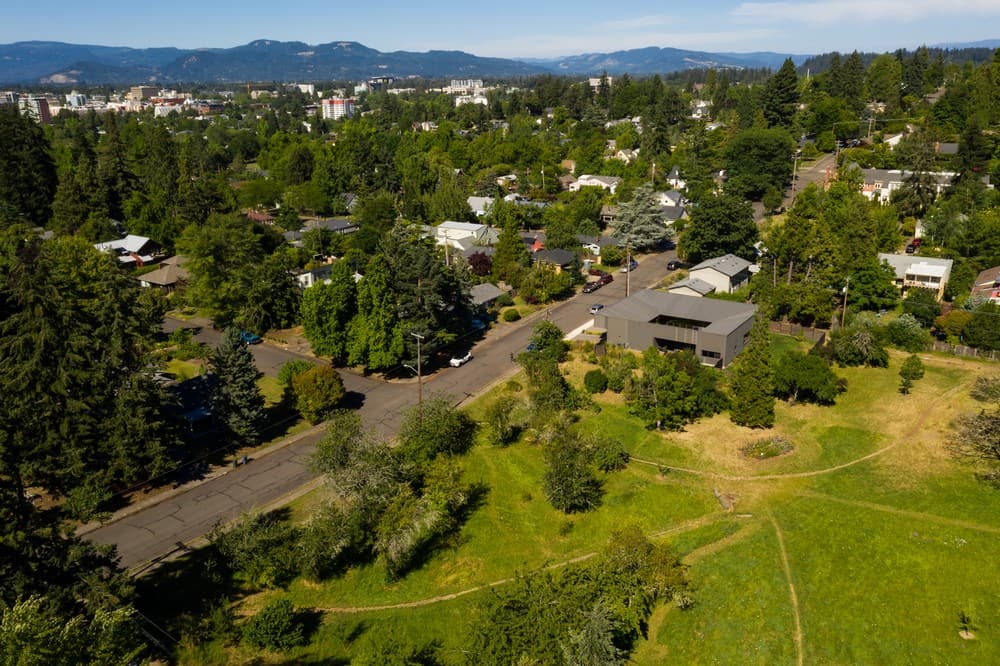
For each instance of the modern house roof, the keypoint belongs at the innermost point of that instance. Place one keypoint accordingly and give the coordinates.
(720, 316)
(462, 226)
(334, 224)
(727, 264)
(694, 284)
(557, 257)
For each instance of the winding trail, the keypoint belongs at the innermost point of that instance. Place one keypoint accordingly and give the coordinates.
(916, 515)
(685, 526)
(791, 589)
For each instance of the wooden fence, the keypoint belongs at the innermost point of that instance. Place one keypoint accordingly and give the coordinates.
(806, 332)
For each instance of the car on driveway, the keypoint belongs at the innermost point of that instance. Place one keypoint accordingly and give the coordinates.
(598, 283)
(595, 308)
(630, 266)
(674, 265)
(459, 361)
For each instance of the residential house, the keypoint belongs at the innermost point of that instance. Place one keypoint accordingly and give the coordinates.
(916, 271)
(480, 205)
(691, 287)
(132, 251)
(464, 235)
(337, 225)
(170, 275)
(627, 155)
(714, 330)
(483, 295)
(700, 108)
(594, 244)
(534, 240)
(674, 179)
(260, 217)
(672, 213)
(609, 214)
(561, 259)
(508, 180)
(308, 278)
(726, 273)
(987, 286)
(879, 184)
(609, 183)
(567, 182)
(669, 198)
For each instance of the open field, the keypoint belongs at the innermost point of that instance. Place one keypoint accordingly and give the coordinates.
(862, 545)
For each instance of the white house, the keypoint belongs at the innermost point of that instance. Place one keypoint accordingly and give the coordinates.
(726, 273)
(691, 287)
(674, 179)
(914, 271)
(609, 183)
(480, 205)
(879, 184)
(132, 250)
(463, 235)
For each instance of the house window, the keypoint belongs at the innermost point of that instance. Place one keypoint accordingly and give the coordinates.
(710, 354)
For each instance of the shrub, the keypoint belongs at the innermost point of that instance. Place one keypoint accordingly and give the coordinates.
(275, 627)
(906, 333)
(504, 300)
(610, 456)
(767, 448)
(805, 377)
(511, 314)
(290, 369)
(595, 381)
(317, 392)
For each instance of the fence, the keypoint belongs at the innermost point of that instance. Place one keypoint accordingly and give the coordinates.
(962, 350)
(807, 332)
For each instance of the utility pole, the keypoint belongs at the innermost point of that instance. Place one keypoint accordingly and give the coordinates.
(795, 170)
(628, 262)
(843, 314)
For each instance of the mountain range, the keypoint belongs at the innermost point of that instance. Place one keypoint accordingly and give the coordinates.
(40, 62)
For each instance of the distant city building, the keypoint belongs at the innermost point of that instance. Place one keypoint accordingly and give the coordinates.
(76, 100)
(8, 97)
(336, 108)
(37, 108)
(471, 99)
(139, 93)
(595, 82)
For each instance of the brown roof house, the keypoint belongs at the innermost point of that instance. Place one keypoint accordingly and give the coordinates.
(170, 275)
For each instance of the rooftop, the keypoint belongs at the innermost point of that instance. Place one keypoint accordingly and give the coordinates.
(647, 305)
(727, 264)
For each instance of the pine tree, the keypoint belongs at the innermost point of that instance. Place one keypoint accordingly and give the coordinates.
(510, 255)
(640, 221)
(27, 170)
(781, 96)
(238, 400)
(376, 336)
(751, 381)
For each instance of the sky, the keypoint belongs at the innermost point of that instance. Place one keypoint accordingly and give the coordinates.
(513, 28)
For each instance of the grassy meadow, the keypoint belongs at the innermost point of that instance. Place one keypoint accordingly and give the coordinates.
(862, 545)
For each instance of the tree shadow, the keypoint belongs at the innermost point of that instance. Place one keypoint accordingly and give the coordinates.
(352, 400)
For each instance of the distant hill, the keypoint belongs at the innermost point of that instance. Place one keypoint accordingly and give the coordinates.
(981, 44)
(655, 60)
(260, 60)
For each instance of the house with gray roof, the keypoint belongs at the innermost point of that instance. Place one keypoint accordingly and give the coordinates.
(714, 330)
(916, 271)
(132, 250)
(691, 287)
(726, 273)
(480, 205)
(879, 184)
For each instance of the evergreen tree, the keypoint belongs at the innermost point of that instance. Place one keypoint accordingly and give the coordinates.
(751, 380)
(237, 401)
(640, 221)
(510, 254)
(781, 96)
(27, 170)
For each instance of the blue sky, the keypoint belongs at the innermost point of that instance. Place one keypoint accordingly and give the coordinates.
(515, 27)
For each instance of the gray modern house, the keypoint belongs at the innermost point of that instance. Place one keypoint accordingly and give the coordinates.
(715, 331)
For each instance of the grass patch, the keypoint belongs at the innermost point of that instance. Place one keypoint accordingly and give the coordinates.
(184, 370)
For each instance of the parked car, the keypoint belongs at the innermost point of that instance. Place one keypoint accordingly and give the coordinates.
(674, 265)
(595, 308)
(477, 324)
(592, 286)
(250, 338)
(911, 248)
(459, 361)
(630, 266)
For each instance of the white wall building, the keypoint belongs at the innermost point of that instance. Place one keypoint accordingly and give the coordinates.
(336, 108)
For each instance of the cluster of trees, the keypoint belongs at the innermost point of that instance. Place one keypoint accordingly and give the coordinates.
(408, 291)
(976, 437)
(589, 613)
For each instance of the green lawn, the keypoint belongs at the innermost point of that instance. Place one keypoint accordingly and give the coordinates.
(884, 553)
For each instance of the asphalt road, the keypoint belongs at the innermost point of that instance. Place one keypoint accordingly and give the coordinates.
(157, 531)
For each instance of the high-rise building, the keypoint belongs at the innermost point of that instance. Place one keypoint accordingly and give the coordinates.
(37, 108)
(336, 108)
